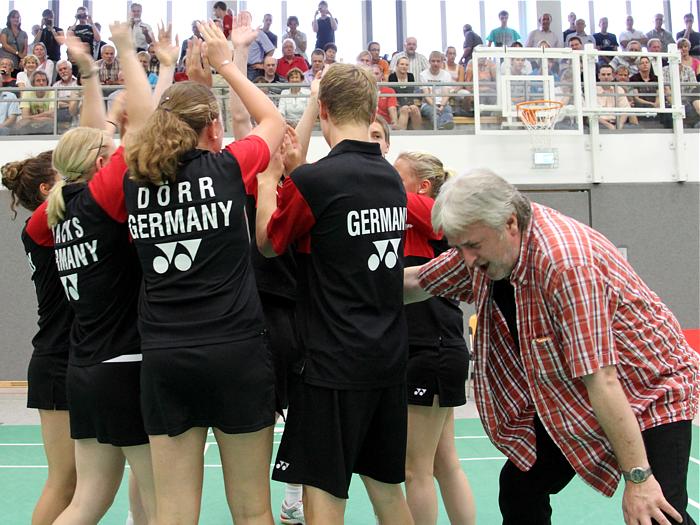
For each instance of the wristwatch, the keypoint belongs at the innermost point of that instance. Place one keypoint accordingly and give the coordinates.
(637, 474)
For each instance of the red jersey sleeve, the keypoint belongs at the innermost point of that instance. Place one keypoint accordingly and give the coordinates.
(107, 186)
(419, 207)
(253, 155)
(292, 218)
(38, 227)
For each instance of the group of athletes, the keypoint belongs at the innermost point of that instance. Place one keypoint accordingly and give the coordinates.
(185, 285)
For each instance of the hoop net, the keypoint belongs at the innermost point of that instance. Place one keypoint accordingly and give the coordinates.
(539, 117)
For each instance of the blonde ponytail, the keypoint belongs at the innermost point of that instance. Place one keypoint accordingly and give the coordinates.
(427, 166)
(55, 205)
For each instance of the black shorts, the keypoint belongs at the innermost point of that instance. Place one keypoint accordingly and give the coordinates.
(330, 434)
(104, 402)
(437, 371)
(279, 318)
(46, 377)
(229, 386)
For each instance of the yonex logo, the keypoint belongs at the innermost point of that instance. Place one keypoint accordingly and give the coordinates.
(387, 251)
(420, 391)
(70, 285)
(282, 465)
(182, 261)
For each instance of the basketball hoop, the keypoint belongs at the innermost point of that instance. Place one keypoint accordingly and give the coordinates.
(539, 118)
(539, 115)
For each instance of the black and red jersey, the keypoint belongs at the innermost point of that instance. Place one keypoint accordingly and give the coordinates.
(347, 213)
(55, 315)
(193, 242)
(436, 321)
(98, 270)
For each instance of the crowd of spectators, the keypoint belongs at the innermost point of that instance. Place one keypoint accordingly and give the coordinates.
(35, 61)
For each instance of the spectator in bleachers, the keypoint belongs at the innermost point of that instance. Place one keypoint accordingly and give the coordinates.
(45, 63)
(257, 52)
(487, 72)
(140, 31)
(605, 41)
(318, 58)
(84, 29)
(289, 60)
(526, 66)
(330, 50)
(630, 33)
(270, 73)
(690, 34)
(9, 112)
(153, 62)
(68, 99)
(299, 37)
(610, 96)
(544, 33)
(687, 60)
(183, 47)
(375, 49)
(223, 13)
(503, 36)
(30, 63)
(645, 96)
(292, 105)
(654, 45)
(572, 26)
(417, 62)
(267, 22)
(98, 44)
(455, 70)
(471, 40)
(622, 76)
(109, 70)
(324, 25)
(37, 115)
(659, 32)
(364, 58)
(387, 105)
(580, 32)
(13, 39)
(436, 107)
(629, 62)
(145, 61)
(409, 114)
(47, 35)
(691, 103)
(6, 69)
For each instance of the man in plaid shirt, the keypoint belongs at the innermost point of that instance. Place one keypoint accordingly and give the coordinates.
(580, 368)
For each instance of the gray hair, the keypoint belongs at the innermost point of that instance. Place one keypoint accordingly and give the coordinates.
(478, 196)
(64, 62)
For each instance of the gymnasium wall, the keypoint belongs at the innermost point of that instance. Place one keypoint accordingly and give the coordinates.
(638, 207)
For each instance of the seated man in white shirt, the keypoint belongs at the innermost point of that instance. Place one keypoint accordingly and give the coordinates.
(439, 102)
(611, 97)
(9, 111)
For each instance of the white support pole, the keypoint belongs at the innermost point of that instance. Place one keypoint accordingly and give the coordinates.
(678, 145)
(591, 98)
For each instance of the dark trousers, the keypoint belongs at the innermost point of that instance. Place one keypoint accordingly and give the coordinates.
(524, 496)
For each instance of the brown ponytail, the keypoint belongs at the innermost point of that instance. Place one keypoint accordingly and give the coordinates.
(153, 154)
(24, 178)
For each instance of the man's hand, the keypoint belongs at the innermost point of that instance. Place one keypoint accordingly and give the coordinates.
(166, 52)
(292, 154)
(644, 501)
(242, 33)
(215, 45)
(79, 51)
(121, 36)
(197, 63)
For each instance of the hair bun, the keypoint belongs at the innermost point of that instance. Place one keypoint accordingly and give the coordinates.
(11, 174)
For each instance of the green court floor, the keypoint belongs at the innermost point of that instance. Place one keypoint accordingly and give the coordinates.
(23, 470)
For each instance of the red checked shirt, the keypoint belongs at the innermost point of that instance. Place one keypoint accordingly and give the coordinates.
(580, 307)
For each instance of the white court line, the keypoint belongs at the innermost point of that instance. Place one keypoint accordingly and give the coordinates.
(695, 460)
(694, 503)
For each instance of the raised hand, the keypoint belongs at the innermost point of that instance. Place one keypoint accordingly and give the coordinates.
(166, 51)
(79, 51)
(121, 36)
(197, 63)
(242, 33)
(275, 169)
(215, 44)
(292, 154)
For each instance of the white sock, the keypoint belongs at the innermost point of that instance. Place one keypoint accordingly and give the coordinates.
(129, 519)
(292, 494)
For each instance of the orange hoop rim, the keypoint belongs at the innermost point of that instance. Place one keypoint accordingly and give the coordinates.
(529, 114)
